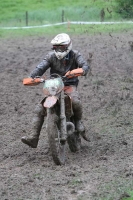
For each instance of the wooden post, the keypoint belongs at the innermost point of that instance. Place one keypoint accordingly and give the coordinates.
(26, 18)
(102, 15)
(62, 15)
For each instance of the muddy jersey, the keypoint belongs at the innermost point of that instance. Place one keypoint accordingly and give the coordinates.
(72, 61)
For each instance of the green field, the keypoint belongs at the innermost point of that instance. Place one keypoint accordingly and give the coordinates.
(41, 12)
(13, 13)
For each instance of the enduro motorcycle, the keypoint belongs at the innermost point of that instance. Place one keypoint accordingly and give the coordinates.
(60, 121)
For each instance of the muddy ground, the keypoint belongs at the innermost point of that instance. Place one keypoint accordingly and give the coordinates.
(103, 168)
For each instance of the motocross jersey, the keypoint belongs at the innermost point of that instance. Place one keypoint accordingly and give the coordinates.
(72, 61)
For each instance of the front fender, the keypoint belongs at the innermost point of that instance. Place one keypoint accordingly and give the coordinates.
(50, 101)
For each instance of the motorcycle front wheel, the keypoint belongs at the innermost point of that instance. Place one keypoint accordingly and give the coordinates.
(57, 146)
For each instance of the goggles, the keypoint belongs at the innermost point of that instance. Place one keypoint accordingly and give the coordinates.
(60, 48)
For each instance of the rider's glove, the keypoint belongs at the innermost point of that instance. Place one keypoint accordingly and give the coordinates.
(30, 81)
(75, 73)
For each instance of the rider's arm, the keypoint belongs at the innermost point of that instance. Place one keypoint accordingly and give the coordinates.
(42, 67)
(81, 63)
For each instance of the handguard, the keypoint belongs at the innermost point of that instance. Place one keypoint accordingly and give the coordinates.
(30, 81)
(75, 73)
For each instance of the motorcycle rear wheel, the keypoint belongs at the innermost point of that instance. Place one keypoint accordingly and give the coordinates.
(57, 146)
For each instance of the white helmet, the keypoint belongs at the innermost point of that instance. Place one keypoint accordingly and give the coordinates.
(62, 45)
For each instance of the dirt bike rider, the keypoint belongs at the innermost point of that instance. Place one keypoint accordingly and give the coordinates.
(62, 60)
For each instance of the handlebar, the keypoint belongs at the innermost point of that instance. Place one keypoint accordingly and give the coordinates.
(35, 81)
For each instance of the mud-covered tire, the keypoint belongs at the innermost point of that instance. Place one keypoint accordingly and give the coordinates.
(57, 148)
(74, 142)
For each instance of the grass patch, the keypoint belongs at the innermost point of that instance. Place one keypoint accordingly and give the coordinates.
(74, 29)
(75, 182)
(117, 189)
(130, 193)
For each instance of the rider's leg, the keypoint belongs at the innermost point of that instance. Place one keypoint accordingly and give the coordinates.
(37, 123)
(77, 109)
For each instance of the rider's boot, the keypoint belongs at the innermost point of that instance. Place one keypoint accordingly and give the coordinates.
(81, 129)
(37, 123)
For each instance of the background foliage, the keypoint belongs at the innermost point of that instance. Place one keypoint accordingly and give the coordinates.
(125, 8)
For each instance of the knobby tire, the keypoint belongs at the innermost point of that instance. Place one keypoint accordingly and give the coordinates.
(56, 146)
(74, 142)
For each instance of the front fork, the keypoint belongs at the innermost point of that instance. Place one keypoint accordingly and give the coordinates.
(63, 117)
